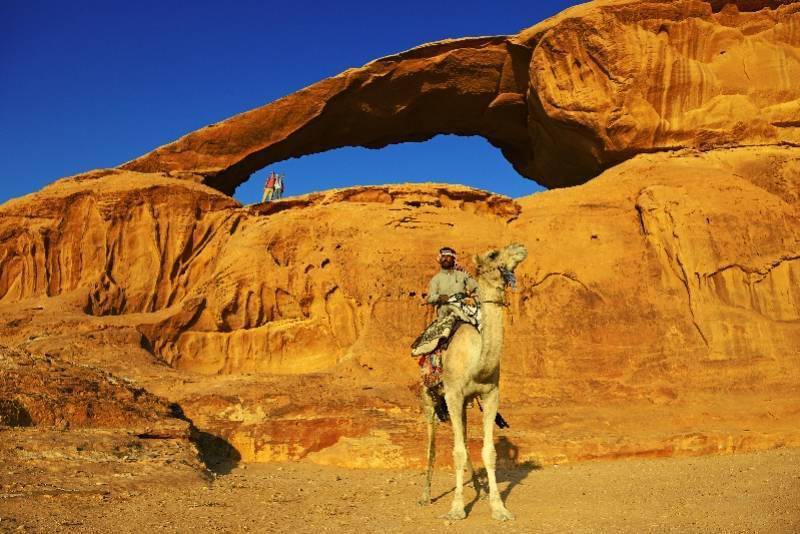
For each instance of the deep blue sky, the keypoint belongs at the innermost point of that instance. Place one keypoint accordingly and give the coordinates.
(90, 84)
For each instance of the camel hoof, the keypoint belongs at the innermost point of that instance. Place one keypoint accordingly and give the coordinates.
(425, 501)
(455, 515)
(502, 514)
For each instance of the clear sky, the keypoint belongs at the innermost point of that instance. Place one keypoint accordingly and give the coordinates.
(91, 84)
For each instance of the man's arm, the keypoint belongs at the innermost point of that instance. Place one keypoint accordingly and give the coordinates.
(471, 285)
(433, 291)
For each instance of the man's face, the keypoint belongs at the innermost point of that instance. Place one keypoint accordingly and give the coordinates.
(447, 261)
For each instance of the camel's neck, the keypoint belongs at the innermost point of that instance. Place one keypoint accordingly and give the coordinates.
(491, 325)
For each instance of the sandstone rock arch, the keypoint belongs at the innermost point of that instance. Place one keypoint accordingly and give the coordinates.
(442, 88)
(563, 100)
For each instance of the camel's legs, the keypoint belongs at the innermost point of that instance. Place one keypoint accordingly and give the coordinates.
(470, 470)
(490, 404)
(455, 404)
(430, 423)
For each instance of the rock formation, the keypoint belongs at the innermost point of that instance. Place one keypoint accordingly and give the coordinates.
(43, 391)
(62, 423)
(658, 312)
(564, 99)
(643, 288)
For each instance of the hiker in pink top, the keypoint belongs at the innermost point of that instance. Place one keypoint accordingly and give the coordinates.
(269, 187)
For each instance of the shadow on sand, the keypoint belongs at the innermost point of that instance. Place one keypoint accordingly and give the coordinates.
(216, 453)
(508, 469)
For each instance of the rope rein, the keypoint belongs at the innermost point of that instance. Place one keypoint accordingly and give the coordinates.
(498, 302)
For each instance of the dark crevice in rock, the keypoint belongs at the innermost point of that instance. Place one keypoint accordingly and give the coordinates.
(14, 413)
(216, 453)
(748, 5)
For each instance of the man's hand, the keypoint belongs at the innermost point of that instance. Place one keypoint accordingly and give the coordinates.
(469, 301)
(442, 299)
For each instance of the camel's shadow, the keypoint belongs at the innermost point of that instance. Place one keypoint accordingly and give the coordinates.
(508, 469)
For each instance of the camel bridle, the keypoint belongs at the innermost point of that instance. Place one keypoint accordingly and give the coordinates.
(508, 279)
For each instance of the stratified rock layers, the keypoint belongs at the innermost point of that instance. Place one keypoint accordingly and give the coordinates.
(564, 99)
(669, 277)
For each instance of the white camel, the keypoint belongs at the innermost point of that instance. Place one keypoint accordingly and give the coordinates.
(471, 368)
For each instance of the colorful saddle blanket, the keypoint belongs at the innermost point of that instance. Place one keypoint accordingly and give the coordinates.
(439, 332)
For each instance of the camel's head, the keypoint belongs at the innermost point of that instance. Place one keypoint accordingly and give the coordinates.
(497, 266)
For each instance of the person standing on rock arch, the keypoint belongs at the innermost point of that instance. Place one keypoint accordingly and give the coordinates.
(279, 186)
(269, 187)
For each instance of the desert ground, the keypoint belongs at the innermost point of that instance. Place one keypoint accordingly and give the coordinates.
(751, 492)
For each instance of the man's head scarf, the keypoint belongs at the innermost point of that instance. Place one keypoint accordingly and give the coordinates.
(447, 251)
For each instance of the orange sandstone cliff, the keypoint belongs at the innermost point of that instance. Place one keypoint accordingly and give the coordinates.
(658, 312)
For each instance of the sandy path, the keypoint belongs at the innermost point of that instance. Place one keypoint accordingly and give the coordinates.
(755, 492)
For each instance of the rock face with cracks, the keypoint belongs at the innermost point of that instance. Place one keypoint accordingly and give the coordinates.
(645, 296)
(43, 391)
(563, 100)
(658, 312)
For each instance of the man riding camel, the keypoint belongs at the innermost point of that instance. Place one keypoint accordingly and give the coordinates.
(450, 285)
(453, 292)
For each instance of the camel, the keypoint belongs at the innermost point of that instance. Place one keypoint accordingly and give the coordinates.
(471, 368)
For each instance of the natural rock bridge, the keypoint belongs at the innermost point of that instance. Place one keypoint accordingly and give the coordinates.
(563, 100)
